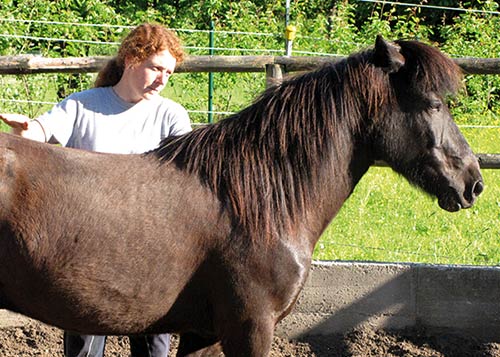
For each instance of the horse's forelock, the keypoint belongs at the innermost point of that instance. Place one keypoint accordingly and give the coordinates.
(429, 69)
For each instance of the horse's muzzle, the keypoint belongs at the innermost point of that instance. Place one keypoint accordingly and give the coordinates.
(454, 200)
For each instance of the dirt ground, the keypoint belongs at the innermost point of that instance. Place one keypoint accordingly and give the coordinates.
(35, 339)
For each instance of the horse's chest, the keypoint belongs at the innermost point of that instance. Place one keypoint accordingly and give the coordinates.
(279, 274)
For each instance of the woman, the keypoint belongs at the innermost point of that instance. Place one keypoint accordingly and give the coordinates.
(124, 113)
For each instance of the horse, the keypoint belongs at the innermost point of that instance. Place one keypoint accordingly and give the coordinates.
(211, 234)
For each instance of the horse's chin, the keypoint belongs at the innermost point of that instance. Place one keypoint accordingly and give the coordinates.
(452, 201)
(449, 205)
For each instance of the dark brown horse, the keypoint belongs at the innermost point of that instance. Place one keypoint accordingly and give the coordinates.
(211, 235)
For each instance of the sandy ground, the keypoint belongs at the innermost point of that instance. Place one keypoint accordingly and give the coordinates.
(36, 339)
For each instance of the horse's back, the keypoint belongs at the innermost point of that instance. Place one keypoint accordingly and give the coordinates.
(93, 234)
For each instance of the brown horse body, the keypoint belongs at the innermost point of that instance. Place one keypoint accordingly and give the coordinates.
(211, 235)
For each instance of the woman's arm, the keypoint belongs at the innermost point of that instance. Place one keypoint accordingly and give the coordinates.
(24, 126)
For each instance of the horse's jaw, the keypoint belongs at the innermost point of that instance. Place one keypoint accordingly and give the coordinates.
(456, 186)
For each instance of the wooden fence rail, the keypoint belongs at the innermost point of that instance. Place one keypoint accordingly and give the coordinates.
(486, 161)
(273, 66)
(27, 64)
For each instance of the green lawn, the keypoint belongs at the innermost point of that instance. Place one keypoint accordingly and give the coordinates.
(388, 220)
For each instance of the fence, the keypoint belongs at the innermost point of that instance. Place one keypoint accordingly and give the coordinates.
(274, 66)
(26, 64)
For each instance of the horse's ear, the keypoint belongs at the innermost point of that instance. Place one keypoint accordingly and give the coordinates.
(386, 55)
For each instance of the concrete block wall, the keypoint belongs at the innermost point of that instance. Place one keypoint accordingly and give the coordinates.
(339, 296)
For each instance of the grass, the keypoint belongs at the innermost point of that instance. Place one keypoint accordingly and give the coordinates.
(388, 220)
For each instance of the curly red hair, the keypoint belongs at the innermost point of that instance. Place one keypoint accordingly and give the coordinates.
(142, 42)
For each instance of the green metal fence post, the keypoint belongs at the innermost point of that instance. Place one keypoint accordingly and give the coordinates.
(210, 74)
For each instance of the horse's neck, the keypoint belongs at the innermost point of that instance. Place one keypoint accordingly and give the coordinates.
(339, 178)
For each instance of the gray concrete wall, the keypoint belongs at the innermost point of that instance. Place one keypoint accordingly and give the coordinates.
(339, 296)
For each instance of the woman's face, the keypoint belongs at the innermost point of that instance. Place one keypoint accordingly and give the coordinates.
(148, 78)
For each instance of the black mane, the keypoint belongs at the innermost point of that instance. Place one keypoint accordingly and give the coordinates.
(262, 161)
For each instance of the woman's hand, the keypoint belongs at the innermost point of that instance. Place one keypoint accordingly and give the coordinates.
(17, 122)
(24, 126)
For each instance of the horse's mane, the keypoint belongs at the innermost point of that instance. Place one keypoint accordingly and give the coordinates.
(263, 162)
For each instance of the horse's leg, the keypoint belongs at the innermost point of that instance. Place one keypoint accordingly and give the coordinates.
(194, 345)
(252, 338)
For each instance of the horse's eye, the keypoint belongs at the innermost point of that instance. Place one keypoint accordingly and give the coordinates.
(436, 105)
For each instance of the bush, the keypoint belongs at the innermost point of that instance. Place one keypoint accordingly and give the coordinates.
(334, 27)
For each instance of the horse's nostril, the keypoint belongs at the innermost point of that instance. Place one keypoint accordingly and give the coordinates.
(478, 188)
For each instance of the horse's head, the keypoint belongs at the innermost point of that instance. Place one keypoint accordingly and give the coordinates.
(417, 136)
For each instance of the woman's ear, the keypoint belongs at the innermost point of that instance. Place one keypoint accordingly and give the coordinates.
(128, 63)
